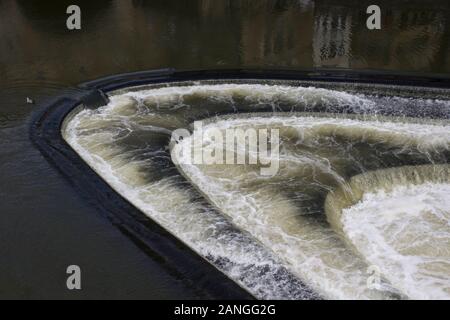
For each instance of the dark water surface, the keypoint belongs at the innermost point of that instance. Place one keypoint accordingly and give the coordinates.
(44, 224)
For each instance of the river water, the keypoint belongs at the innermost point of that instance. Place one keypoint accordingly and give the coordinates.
(46, 226)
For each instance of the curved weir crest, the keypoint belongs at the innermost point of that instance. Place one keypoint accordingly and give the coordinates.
(271, 234)
(398, 219)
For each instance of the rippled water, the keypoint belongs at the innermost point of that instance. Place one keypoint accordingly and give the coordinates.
(44, 223)
(316, 227)
(405, 232)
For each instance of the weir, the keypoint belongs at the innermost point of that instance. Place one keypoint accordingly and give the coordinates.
(397, 219)
(269, 235)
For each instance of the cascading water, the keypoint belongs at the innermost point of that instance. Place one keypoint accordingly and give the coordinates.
(398, 218)
(362, 181)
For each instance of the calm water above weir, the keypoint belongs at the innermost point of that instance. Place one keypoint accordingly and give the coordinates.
(44, 224)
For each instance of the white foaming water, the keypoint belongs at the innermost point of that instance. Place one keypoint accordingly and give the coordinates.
(424, 136)
(309, 97)
(203, 229)
(311, 250)
(406, 233)
(122, 143)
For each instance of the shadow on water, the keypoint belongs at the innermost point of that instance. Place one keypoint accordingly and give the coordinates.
(42, 218)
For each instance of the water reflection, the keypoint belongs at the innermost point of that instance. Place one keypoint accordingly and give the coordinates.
(38, 52)
(332, 37)
(126, 35)
(38, 57)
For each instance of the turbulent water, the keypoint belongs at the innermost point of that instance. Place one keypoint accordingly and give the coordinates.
(363, 183)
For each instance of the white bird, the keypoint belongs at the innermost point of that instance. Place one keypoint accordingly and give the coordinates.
(30, 101)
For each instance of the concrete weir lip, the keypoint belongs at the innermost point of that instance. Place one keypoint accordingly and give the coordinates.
(46, 134)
